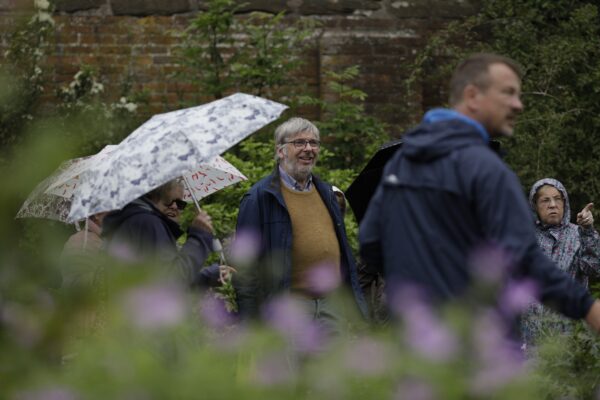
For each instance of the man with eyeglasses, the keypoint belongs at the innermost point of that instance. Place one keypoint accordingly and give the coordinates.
(145, 230)
(297, 220)
(575, 248)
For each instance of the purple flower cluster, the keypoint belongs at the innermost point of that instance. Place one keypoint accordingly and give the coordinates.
(500, 360)
(424, 331)
(244, 248)
(287, 316)
(368, 357)
(155, 306)
(214, 312)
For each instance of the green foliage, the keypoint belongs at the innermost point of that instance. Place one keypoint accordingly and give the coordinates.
(89, 119)
(21, 72)
(208, 49)
(558, 45)
(568, 366)
(270, 55)
(345, 122)
(256, 54)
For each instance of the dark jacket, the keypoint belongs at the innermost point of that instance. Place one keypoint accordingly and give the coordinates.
(444, 194)
(140, 231)
(263, 212)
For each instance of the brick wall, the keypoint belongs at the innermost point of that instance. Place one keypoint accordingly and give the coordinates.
(134, 41)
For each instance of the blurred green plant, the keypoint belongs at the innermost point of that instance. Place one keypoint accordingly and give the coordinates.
(23, 62)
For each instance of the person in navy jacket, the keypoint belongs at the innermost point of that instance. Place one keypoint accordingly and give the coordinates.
(445, 194)
(297, 220)
(143, 230)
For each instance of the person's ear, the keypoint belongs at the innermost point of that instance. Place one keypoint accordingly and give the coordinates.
(280, 152)
(471, 96)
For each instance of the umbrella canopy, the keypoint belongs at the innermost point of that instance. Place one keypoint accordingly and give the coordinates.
(361, 190)
(40, 204)
(165, 147)
(210, 178)
(51, 198)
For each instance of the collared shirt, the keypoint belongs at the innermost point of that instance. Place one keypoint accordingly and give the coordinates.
(292, 183)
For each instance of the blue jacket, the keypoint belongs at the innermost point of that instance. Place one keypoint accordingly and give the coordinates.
(444, 194)
(148, 234)
(263, 212)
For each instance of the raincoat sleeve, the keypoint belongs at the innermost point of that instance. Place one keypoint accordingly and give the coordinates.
(246, 280)
(503, 213)
(589, 262)
(207, 277)
(193, 254)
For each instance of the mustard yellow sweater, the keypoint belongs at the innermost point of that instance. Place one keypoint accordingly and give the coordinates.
(314, 242)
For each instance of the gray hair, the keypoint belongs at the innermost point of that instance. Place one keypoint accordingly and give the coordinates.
(292, 127)
(160, 193)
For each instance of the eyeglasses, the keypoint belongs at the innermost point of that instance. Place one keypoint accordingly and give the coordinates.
(301, 143)
(545, 201)
(181, 204)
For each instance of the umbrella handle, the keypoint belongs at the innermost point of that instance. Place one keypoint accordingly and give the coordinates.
(85, 234)
(189, 188)
(216, 242)
(219, 248)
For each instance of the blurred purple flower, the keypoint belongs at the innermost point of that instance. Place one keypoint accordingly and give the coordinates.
(414, 389)
(24, 326)
(273, 370)
(287, 316)
(231, 339)
(123, 252)
(244, 247)
(50, 393)
(500, 359)
(424, 331)
(155, 306)
(323, 278)
(490, 264)
(214, 312)
(517, 296)
(367, 357)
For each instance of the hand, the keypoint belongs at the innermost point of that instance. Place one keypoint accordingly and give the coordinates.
(225, 273)
(585, 217)
(593, 316)
(203, 221)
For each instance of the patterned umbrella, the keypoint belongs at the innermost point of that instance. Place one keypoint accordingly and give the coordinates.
(51, 198)
(164, 146)
(211, 177)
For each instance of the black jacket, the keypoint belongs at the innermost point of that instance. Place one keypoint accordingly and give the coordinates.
(143, 232)
(444, 194)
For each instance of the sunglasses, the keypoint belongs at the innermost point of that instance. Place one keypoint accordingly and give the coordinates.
(179, 203)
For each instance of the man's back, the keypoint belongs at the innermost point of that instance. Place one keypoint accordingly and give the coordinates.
(428, 197)
(443, 196)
